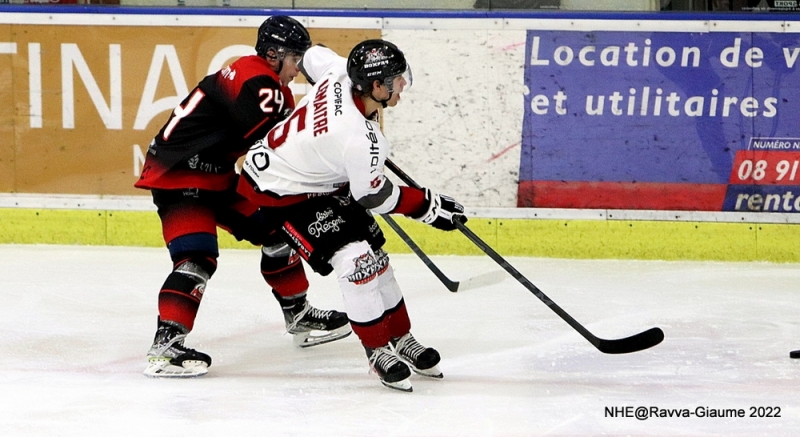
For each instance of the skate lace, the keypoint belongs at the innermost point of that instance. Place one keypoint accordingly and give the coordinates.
(408, 347)
(317, 313)
(310, 311)
(382, 359)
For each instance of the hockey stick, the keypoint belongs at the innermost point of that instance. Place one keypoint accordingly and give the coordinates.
(454, 286)
(450, 284)
(634, 343)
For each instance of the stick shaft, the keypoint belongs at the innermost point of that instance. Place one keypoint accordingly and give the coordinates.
(450, 284)
(637, 342)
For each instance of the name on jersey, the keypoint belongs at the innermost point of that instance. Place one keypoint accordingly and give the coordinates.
(321, 109)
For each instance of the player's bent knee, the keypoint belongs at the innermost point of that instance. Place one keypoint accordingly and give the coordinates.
(200, 244)
(277, 257)
(188, 276)
(183, 290)
(194, 271)
(283, 271)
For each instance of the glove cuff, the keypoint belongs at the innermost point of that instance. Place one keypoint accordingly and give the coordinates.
(434, 202)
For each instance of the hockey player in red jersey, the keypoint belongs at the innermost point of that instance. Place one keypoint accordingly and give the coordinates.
(190, 170)
(319, 175)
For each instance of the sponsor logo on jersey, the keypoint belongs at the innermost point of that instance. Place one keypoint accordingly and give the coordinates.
(194, 163)
(325, 223)
(368, 267)
(374, 150)
(337, 99)
(227, 73)
(259, 160)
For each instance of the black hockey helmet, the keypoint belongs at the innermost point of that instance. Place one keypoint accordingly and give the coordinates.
(376, 59)
(283, 35)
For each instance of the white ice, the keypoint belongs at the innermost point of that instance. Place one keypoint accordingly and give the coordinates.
(76, 322)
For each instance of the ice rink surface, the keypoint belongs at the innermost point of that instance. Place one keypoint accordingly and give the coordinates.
(76, 322)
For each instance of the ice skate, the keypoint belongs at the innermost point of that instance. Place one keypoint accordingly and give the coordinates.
(392, 372)
(424, 361)
(169, 358)
(312, 326)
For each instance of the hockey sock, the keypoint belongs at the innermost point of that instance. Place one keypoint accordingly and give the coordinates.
(180, 296)
(283, 271)
(372, 335)
(398, 322)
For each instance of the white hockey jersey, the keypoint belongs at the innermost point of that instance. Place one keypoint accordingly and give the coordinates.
(325, 143)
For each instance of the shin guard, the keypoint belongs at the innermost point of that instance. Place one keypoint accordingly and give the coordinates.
(180, 296)
(283, 271)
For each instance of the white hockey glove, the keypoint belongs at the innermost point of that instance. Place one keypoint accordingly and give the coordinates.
(442, 211)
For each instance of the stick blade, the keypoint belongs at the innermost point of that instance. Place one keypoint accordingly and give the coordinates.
(641, 341)
(482, 280)
(453, 286)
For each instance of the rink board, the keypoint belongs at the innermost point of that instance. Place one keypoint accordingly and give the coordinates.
(589, 239)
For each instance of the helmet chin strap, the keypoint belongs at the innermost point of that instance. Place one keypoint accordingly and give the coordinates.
(278, 58)
(382, 102)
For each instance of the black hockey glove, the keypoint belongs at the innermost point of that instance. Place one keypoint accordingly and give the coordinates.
(442, 211)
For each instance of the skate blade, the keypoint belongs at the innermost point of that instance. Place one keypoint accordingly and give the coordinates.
(433, 372)
(404, 385)
(163, 369)
(316, 338)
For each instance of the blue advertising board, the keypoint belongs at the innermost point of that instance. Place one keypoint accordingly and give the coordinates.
(660, 120)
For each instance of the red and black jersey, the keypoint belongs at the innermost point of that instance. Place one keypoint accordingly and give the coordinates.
(215, 125)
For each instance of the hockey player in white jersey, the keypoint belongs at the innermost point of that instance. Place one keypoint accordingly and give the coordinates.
(319, 174)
